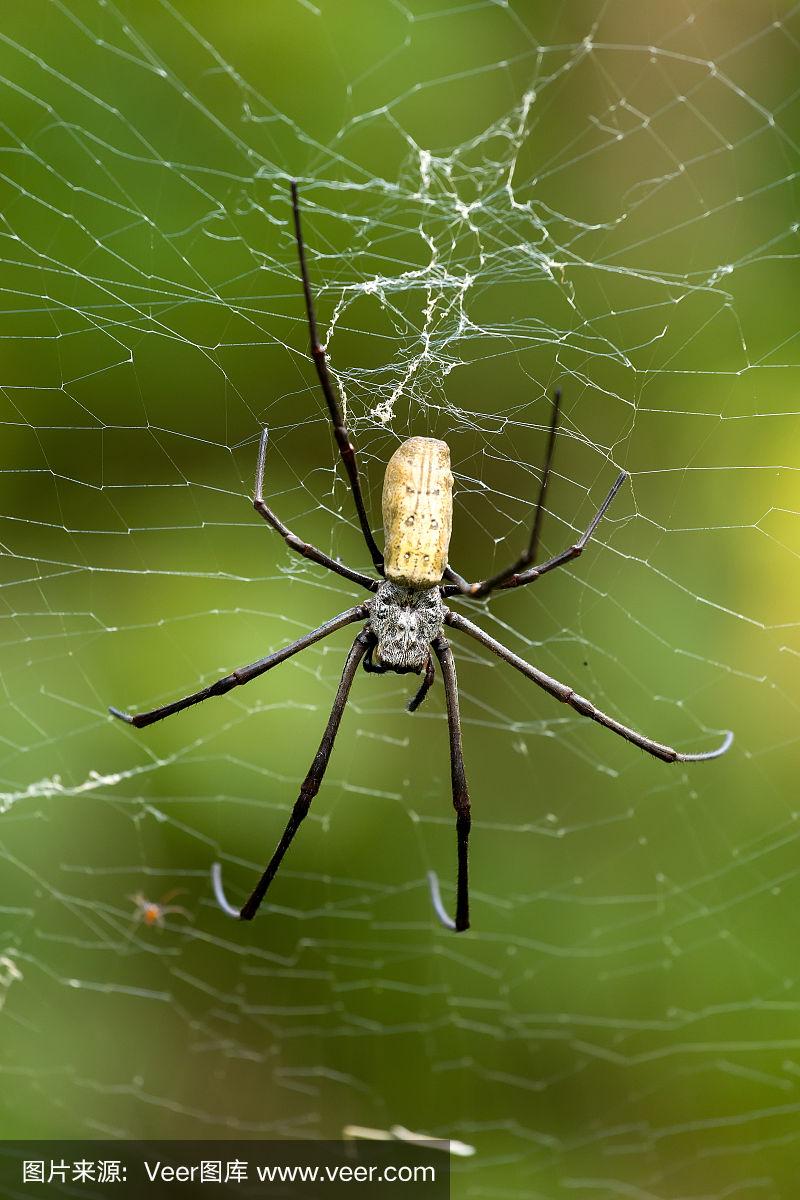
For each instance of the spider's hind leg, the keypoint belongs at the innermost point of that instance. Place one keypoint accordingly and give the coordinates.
(292, 540)
(523, 570)
(340, 432)
(477, 591)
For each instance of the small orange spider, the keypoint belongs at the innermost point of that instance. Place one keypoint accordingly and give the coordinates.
(152, 912)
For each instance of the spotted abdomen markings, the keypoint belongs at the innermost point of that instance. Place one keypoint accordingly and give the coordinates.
(417, 512)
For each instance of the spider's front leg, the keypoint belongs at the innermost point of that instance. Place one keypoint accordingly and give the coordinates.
(242, 675)
(458, 780)
(567, 695)
(313, 780)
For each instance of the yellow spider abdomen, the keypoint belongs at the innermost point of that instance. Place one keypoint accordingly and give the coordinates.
(417, 512)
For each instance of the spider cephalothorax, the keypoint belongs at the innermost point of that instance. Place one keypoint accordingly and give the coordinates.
(405, 622)
(406, 614)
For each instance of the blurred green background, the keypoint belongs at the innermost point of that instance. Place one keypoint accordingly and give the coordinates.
(500, 198)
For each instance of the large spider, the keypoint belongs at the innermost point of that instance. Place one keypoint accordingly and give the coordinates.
(406, 615)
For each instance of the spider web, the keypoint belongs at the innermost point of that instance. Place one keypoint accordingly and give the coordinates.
(499, 198)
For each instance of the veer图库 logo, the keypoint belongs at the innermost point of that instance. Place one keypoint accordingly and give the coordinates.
(229, 1170)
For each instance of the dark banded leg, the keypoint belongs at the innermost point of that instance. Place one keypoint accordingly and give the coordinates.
(313, 780)
(291, 539)
(346, 448)
(243, 674)
(461, 586)
(458, 780)
(581, 705)
(523, 571)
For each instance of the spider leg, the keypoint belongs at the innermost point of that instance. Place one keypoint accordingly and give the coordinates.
(424, 687)
(243, 674)
(573, 551)
(458, 778)
(477, 590)
(522, 571)
(219, 892)
(170, 909)
(346, 448)
(311, 783)
(460, 585)
(291, 539)
(581, 705)
(442, 914)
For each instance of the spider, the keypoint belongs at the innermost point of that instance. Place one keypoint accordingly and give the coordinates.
(152, 912)
(406, 614)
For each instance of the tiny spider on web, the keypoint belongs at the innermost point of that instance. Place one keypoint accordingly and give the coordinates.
(153, 912)
(406, 614)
